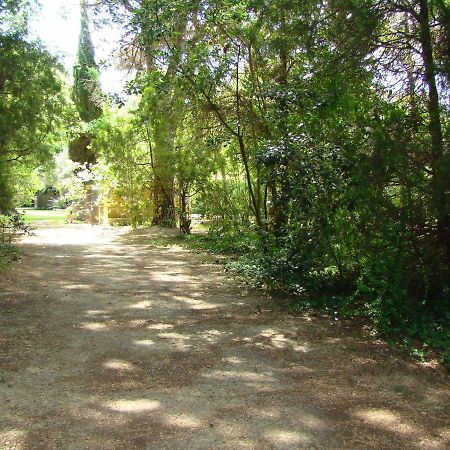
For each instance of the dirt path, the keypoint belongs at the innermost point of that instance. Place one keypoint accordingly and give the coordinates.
(108, 342)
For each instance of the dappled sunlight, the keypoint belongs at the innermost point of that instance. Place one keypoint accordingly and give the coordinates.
(164, 353)
(279, 340)
(120, 365)
(93, 326)
(213, 336)
(179, 342)
(137, 323)
(196, 304)
(96, 312)
(160, 326)
(15, 435)
(176, 249)
(72, 235)
(174, 336)
(233, 360)
(141, 305)
(133, 406)
(75, 287)
(144, 342)
(241, 375)
(387, 420)
(286, 437)
(172, 277)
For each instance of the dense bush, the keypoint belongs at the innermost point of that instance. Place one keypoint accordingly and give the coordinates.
(12, 226)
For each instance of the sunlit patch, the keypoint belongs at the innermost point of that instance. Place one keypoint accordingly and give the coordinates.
(174, 336)
(233, 360)
(268, 333)
(145, 342)
(196, 304)
(77, 286)
(137, 322)
(93, 326)
(175, 249)
(160, 326)
(133, 406)
(287, 437)
(141, 305)
(385, 419)
(244, 376)
(96, 312)
(268, 413)
(212, 336)
(215, 332)
(280, 341)
(15, 437)
(182, 421)
(85, 235)
(300, 348)
(119, 364)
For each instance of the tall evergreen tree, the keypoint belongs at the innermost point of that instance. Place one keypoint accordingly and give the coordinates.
(86, 90)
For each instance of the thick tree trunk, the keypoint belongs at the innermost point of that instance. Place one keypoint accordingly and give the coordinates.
(164, 168)
(439, 160)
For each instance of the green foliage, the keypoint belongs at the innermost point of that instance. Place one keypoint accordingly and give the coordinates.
(124, 168)
(11, 227)
(86, 93)
(225, 243)
(321, 127)
(32, 103)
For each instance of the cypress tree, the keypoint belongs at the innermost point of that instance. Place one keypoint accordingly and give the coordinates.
(86, 92)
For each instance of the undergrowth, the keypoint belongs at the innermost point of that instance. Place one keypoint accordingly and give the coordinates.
(413, 327)
(11, 227)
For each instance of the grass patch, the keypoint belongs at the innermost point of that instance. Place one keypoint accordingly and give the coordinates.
(233, 244)
(44, 217)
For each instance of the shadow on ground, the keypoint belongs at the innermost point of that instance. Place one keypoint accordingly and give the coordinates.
(109, 341)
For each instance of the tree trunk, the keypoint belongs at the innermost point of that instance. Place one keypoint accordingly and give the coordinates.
(440, 184)
(185, 220)
(166, 118)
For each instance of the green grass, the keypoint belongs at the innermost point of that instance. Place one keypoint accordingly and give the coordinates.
(44, 217)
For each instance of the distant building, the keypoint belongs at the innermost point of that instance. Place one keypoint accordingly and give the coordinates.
(46, 198)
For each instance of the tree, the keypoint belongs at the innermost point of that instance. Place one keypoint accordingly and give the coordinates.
(321, 125)
(86, 92)
(32, 103)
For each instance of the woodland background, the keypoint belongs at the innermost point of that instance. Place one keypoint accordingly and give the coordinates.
(312, 135)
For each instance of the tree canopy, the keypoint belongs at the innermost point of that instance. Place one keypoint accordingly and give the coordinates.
(32, 101)
(318, 129)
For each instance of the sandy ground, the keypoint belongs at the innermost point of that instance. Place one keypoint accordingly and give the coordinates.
(110, 342)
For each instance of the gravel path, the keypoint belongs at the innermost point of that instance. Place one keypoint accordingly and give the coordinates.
(110, 342)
